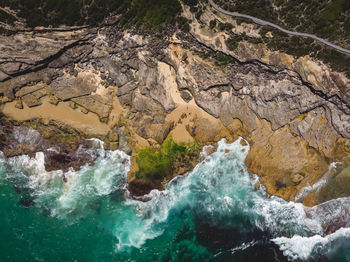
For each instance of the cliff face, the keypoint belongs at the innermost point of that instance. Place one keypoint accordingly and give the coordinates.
(134, 90)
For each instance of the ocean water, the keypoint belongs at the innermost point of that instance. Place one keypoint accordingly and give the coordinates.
(213, 213)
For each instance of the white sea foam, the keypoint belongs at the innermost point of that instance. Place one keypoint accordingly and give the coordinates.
(304, 248)
(219, 189)
(243, 246)
(318, 185)
(26, 135)
(48, 189)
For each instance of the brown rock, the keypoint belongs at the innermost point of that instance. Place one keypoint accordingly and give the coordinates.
(106, 145)
(40, 93)
(95, 104)
(338, 186)
(210, 150)
(3, 76)
(186, 96)
(67, 87)
(53, 100)
(204, 131)
(113, 146)
(297, 178)
(159, 132)
(275, 155)
(19, 104)
(30, 89)
(84, 110)
(31, 100)
(139, 187)
(114, 136)
(72, 105)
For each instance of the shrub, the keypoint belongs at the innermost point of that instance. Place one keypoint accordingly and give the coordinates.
(150, 13)
(212, 23)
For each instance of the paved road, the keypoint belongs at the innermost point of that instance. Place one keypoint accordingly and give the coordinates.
(263, 22)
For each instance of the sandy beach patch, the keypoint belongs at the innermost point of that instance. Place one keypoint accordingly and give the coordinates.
(88, 123)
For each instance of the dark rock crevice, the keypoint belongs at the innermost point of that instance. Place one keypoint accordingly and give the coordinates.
(45, 62)
(335, 99)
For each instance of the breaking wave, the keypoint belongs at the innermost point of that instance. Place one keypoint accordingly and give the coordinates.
(188, 218)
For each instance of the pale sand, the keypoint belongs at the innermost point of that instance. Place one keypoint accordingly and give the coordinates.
(184, 115)
(88, 123)
(117, 110)
(179, 133)
(190, 110)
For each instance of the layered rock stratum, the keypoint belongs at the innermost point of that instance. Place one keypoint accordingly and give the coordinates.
(133, 90)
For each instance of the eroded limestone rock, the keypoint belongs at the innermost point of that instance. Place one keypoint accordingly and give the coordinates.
(67, 87)
(294, 112)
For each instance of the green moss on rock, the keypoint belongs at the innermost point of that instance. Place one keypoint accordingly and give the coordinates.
(166, 162)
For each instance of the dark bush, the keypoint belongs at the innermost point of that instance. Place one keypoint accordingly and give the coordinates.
(148, 13)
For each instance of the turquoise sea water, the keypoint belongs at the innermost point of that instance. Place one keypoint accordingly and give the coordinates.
(210, 214)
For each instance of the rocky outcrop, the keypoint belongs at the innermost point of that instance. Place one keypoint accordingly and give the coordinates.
(294, 112)
(63, 147)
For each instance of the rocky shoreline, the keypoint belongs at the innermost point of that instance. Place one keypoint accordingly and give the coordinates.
(134, 90)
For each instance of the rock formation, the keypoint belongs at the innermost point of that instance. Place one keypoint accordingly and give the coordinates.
(132, 90)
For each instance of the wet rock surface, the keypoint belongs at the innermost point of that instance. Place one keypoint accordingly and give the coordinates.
(61, 153)
(294, 112)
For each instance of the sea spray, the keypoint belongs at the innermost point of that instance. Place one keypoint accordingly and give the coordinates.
(73, 191)
(313, 247)
(219, 189)
(184, 220)
(318, 185)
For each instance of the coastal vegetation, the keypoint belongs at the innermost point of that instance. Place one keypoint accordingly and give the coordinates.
(330, 20)
(326, 19)
(155, 14)
(168, 160)
(296, 46)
